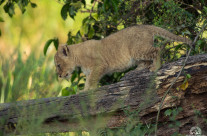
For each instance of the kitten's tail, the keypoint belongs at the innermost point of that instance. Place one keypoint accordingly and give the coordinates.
(168, 35)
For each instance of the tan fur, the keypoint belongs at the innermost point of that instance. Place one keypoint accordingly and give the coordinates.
(115, 53)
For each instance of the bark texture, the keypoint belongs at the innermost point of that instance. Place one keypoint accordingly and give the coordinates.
(107, 107)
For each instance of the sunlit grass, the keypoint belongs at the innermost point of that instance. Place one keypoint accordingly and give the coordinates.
(24, 72)
(26, 79)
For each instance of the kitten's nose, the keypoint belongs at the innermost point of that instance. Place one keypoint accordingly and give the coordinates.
(60, 76)
(66, 75)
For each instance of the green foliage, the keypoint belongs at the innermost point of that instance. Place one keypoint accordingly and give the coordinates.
(71, 8)
(172, 113)
(74, 39)
(87, 27)
(9, 7)
(188, 76)
(168, 112)
(67, 91)
(55, 41)
(75, 84)
(33, 5)
(64, 11)
(200, 47)
(172, 14)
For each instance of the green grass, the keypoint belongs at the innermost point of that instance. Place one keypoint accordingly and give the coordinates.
(28, 77)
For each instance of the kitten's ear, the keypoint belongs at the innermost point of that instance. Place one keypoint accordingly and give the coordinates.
(64, 50)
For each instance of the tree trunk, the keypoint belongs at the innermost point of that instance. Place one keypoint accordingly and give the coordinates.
(139, 94)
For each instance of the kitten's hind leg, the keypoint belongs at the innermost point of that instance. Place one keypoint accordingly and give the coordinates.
(142, 64)
(147, 56)
(156, 59)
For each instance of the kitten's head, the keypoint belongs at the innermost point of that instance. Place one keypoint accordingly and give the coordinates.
(64, 62)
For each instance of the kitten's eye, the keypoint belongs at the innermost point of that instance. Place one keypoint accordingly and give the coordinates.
(58, 66)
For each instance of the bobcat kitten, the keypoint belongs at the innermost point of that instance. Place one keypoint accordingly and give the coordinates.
(115, 53)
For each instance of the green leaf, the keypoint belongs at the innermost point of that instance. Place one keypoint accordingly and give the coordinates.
(91, 21)
(84, 29)
(21, 6)
(75, 87)
(197, 112)
(1, 1)
(178, 47)
(67, 91)
(180, 109)
(33, 5)
(47, 44)
(73, 77)
(171, 126)
(24, 2)
(188, 76)
(199, 42)
(1, 19)
(85, 20)
(70, 39)
(78, 37)
(9, 8)
(87, 28)
(64, 11)
(84, 3)
(186, 32)
(72, 11)
(105, 5)
(205, 9)
(177, 123)
(56, 43)
(115, 5)
(77, 5)
(168, 112)
(81, 77)
(81, 85)
(91, 32)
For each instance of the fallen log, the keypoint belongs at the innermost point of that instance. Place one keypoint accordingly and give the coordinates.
(109, 106)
